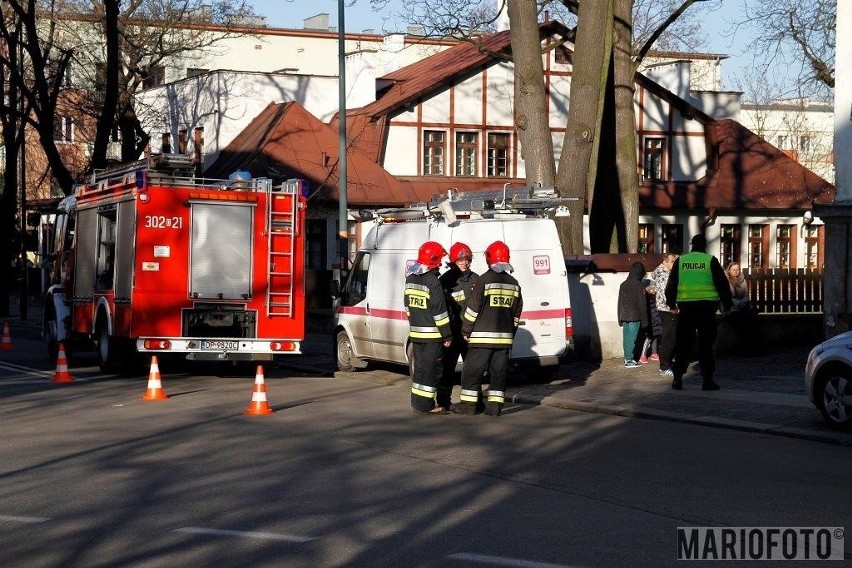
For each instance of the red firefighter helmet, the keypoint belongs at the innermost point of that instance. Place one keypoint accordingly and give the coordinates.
(496, 252)
(460, 250)
(430, 254)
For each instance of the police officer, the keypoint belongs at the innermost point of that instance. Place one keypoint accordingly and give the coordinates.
(489, 324)
(457, 283)
(696, 284)
(429, 326)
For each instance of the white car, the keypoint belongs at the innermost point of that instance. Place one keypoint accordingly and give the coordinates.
(828, 380)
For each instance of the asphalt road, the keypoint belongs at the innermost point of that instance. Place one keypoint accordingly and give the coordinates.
(344, 474)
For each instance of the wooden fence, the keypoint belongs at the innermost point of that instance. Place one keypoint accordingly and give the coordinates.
(779, 290)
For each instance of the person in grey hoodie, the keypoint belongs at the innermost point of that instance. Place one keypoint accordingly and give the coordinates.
(632, 312)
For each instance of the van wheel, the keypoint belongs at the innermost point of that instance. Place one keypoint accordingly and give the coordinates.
(346, 359)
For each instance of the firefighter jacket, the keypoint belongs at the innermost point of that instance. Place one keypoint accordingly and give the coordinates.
(493, 311)
(457, 286)
(426, 307)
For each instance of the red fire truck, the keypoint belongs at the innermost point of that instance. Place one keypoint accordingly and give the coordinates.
(148, 258)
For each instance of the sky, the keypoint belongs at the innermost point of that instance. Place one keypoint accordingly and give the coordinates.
(359, 16)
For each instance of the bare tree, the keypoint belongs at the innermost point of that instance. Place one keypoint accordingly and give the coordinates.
(141, 39)
(797, 33)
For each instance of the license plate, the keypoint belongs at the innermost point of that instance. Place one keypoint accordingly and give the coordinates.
(218, 345)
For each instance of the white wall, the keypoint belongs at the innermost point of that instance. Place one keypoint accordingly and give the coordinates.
(223, 103)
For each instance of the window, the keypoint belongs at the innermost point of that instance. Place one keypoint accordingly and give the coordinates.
(155, 77)
(653, 158)
(782, 142)
(315, 230)
(105, 263)
(813, 250)
(729, 239)
(672, 240)
(785, 246)
(195, 72)
(757, 246)
(467, 146)
(561, 55)
(63, 129)
(355, 289)
(804, 144)
(498, 155)
(433, 153)
(646, 238)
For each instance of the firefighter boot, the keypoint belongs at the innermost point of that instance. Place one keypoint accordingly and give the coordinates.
(464, 408)
(677, 384)
(709, 385)
(493, 408)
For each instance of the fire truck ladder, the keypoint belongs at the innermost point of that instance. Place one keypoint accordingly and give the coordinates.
(281, 222)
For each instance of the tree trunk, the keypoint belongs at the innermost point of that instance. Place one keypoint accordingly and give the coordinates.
(531, 118)
(110, 104)
(579, 158)
(626, 163)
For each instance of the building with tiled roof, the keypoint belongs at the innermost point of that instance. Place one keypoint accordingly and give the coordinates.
(446, 122)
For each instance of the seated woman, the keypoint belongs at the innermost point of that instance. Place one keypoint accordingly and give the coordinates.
(739, 288)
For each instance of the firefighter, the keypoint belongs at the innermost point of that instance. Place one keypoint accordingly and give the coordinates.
(489, 324)
(457, 283)
(429, 326)
(696, 284)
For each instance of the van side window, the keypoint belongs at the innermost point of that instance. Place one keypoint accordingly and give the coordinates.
(355, 290)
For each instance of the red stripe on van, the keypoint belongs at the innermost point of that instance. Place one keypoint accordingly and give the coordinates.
(400, 314)
(352, 310)
(543, 314)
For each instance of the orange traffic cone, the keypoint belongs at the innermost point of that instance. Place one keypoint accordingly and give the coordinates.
(155, 385)
(61, 375)
(259, 404)
(6, 342)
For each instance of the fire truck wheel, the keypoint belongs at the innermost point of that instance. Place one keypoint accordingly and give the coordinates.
(346, 360)
(105, 348)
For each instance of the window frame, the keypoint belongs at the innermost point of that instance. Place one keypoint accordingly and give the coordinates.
(434, 151)
(492, 154)
(649, 153)
(466, 163)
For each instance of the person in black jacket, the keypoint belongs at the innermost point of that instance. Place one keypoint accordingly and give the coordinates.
(489, 324)
(457, 282)
(697, 283)
(632, 312)
(429, 326)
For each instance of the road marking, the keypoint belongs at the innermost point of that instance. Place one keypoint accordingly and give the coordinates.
(245, 534)
(34, 373)
(30, 520)
(500, 561)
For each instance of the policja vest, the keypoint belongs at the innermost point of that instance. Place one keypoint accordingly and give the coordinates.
(695, 279)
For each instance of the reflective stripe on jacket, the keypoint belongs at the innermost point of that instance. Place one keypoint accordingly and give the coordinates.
(426, 307)
(493, 311)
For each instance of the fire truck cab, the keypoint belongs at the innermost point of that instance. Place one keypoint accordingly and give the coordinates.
(370, 318)
(148, 258)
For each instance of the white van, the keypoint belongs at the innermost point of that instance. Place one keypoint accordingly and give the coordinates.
(370, 319)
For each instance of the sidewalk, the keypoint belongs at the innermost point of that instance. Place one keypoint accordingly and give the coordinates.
(762, 394)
